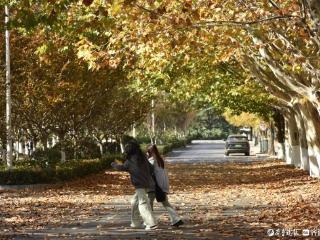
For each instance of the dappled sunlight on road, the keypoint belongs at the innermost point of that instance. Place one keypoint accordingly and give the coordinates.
(225, 174)
(211, 151)
(224, 199)
(216, 199)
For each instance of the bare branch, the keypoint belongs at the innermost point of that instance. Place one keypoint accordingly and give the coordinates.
(274, 4)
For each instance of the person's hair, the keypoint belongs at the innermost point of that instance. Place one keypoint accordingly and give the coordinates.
(153, 151)
(133, 148)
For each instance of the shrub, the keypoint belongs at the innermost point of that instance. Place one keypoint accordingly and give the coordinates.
(45, 158)
(30, 173)
(205, 134)
(68, 148)
(143, 139)
(126, 138)
(112, 147)
(25, 175)
(88, 149)
(46, 168)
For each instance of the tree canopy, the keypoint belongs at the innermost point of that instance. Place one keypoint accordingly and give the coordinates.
(245, 56)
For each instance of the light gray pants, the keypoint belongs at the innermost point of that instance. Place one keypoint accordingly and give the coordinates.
(172, 213)
(140, 208)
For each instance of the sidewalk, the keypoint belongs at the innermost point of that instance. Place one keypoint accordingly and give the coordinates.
(255, 150)
(114, 224)
(217, 200)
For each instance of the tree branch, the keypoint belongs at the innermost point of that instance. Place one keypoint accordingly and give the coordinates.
(226, 22)
(274, 4)
(243, 23)
(278, 70)
(267, 80)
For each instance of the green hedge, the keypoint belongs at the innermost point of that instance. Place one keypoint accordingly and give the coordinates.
(35, 171)
(166, 148)
(175, 144)
(29, 174)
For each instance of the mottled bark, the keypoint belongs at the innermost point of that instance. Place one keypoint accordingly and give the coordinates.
(311, 121)
(304, 157)
(292, 144)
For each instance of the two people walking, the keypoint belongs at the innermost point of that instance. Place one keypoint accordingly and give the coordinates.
(143, 175)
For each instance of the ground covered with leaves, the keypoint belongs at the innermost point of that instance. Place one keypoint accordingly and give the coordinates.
(216, 201)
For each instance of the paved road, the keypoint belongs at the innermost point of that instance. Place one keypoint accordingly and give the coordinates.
(200, 151)
(114, 225)
(207, 151)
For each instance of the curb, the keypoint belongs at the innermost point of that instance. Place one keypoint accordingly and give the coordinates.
(27, 186)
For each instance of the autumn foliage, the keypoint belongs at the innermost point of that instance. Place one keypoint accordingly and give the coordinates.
(259, 56)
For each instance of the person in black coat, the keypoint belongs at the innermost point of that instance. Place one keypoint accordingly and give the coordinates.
(140, 171)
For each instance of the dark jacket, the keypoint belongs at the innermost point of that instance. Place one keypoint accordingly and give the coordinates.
(140, 171)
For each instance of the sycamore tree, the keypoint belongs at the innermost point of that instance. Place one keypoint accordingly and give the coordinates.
(53, 92)
(243, 120)
(119, 112)
(61, 88)
(275, 42)
(172, 117)
(209, 123)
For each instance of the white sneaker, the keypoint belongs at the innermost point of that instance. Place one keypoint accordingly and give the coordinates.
(136, 226)
(151, 227)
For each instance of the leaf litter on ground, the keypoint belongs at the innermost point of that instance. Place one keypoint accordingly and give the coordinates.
(230, 199)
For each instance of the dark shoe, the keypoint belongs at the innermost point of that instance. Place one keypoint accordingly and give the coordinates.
(177, 224)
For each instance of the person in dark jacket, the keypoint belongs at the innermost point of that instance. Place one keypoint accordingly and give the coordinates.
(140, 171)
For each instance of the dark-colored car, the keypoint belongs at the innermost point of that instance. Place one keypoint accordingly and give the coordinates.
(237, 144)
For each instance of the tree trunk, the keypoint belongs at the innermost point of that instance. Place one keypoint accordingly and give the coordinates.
(75, 147)
(54, 140)
(304, 157)
(22, 146)
(8, 92)
(287, 156)
(292, 144)
(62, 148)
(280, 126)
(121, 146)
(100, 144)
(271, 150)
(134, 132)
(311, 119)
(63, 154)
(99, 141)
(153, 124)
(31, 146)
(44, 141)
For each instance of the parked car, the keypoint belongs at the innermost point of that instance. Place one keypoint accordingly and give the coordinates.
(237, 144)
